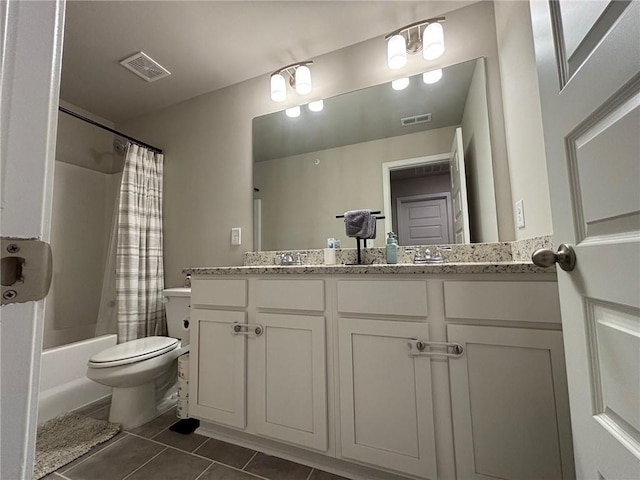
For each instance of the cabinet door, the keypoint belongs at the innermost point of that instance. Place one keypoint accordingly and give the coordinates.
(386, 411)
(509, 402)
(291, 379)
(218, 356)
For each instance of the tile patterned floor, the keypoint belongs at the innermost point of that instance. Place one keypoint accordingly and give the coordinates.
(153, 452)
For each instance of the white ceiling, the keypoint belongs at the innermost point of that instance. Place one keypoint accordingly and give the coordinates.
(208, 45)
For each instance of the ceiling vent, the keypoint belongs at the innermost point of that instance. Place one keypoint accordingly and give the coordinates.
(145, 67)
(416, 119)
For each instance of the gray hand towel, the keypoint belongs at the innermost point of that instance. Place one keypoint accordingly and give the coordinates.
(360, 223)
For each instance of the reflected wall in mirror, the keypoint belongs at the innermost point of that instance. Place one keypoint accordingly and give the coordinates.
(381, 149)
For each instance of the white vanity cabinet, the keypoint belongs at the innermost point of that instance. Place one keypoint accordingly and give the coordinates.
(219, 362)
(218, 354)
(288, 362)
(386, 401)
(330, 378)
(259, 357)
(508, 391)
(386, 405)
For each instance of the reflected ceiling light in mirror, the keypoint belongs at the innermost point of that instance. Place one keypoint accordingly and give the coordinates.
(299, 77)
(432, 76)
(400, 83)
(426, 36)
(293, 112)
(316, 106)
(396, 52)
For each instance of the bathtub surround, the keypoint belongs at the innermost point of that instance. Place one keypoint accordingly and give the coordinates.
(86, 179)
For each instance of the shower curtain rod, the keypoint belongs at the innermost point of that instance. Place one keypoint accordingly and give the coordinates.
(104, 127)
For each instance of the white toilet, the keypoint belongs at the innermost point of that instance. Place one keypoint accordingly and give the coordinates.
(143, 372)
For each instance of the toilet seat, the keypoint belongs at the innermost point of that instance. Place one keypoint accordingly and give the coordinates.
(133, 351)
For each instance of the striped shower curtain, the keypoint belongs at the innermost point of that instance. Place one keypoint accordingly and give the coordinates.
(139, 258)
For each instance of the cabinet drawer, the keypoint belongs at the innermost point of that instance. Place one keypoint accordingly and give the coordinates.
(383, 297)
(290, 294)
(515, 301)
(219, 292)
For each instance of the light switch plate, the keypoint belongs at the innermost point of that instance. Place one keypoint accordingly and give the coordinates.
(236, 236)
(520, 214)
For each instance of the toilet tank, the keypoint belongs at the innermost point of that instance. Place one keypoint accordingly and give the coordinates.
(177, 303)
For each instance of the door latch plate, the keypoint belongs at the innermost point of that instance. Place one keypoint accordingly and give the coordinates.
(26, 270)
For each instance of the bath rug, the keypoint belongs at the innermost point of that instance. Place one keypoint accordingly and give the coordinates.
(67, 437)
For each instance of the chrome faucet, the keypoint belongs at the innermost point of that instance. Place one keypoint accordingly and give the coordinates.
(428, 256)
(288, 258)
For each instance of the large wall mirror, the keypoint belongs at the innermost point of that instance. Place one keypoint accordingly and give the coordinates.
(420, 155)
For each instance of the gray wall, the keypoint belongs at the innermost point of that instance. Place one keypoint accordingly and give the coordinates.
(207, 140)
(478, 162)
(523, 117)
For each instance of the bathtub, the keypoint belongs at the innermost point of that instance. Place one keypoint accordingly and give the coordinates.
(63, 382)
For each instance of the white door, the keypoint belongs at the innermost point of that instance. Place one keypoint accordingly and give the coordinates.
(30, 59)
(290, 382)
(424, 219)
(386, 403)
(459, 190)
(588, 59)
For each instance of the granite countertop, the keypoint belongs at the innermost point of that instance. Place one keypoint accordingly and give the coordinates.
(405, 268)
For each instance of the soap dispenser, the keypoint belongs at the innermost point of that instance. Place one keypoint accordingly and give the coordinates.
(392, 248)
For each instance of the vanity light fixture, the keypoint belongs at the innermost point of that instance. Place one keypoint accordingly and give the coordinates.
(400, 83)
(433, 41)
(316, 106)
(414, 38)
(293, 112)
(432, 76)
(299, 77)
(397, 52)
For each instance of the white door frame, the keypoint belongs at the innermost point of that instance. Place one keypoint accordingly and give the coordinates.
(30, 63)
(388, 167)
(428, 196)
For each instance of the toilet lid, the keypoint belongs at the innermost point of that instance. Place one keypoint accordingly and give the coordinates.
(133, 351)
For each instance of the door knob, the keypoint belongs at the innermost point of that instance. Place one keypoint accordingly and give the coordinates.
(565, 257)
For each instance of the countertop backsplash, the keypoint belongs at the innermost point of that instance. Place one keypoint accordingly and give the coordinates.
(518, 251)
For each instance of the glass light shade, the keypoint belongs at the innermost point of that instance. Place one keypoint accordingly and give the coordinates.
(316, 106)
(278, 88)
(400, 83)
(303, 80)
(433, 41)
(432, 76)
(293, 112)
(396, 52)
